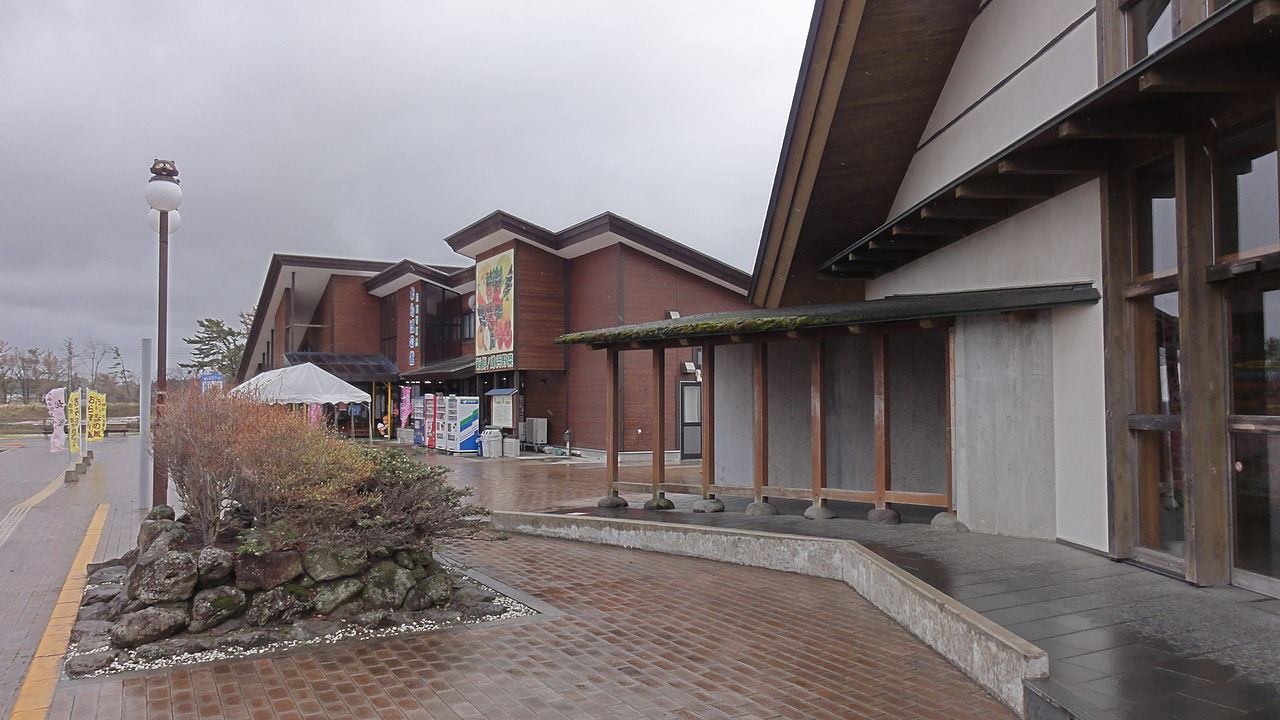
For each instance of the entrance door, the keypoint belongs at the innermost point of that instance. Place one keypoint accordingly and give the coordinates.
(690, 420)
(1255, 436)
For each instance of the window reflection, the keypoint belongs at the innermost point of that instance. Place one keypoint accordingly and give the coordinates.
(1152, 25)
(1157, 241)
(1248, 195)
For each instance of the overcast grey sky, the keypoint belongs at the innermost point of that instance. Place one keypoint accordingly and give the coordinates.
(363, 129)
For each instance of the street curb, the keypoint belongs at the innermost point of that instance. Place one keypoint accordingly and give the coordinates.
(991, 655)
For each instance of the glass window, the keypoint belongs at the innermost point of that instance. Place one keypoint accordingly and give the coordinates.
(1157, 229)
(1248, 195)
(1152, 25)
(1161, 493)
(1256, 471)
(1255, 353)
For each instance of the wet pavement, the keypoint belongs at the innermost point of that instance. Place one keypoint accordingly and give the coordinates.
(1123, 641)
(634, 635)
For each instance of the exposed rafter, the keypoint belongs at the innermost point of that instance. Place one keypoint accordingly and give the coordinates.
(1006, 188)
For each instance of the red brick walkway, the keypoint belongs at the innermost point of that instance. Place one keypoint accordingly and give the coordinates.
(639, 635)
(643, 636)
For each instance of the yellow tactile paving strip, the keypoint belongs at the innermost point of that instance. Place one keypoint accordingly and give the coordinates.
(36, 693)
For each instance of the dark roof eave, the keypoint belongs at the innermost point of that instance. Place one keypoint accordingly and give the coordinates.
(812, 317)
(1128, 76)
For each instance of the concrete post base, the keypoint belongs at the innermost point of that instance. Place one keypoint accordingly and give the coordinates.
(708, 505)
(883, 516)
(71, 476)
(818, 512)
(611, 502)
(947, 522)
(659, 504)
(761, 508)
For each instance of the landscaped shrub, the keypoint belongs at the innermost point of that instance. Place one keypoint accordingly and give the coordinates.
(234, 459)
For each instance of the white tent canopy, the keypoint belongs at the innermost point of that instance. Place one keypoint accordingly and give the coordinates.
(303, 383)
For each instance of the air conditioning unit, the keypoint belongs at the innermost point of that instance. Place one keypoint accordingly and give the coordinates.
(534, 430)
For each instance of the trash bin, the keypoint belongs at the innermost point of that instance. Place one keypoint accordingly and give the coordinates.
(491, 443)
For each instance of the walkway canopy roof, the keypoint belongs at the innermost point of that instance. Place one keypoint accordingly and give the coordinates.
(463, 366)
(350, 367)
(893, 308)
(303, 383)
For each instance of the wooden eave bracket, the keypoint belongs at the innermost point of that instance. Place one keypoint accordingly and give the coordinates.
(932, 228)
(1154, 120)
(1267, 12)
(1066, 159)
(1240, 72)
(1006, 188)
(964, 209)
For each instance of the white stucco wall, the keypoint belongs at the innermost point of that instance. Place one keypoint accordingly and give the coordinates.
(735, 444)
(1004, 36)
(1056, 241)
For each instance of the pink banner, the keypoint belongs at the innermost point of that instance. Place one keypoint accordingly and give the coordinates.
(315, 413)
(56, 401)
(406, 406)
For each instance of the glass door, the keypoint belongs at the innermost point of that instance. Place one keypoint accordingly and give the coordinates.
(1255, 435)
(690, 420)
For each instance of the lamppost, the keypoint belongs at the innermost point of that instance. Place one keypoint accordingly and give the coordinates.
(164, 196)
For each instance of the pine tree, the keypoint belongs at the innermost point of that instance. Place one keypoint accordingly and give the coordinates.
(216, 347)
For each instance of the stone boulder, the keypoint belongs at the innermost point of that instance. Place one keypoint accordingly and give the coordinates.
(113, 574)
(172, 647)
(156, 578)
(147, 625)
(269, 571)
(404, 559)
(170, 532)
(215, 605)
(328, 596)
(214, 565)
(323, 563)
(430, 592)
(248, 639)
(101, 594)
(92, 568)
(386, 585)
(161, 512)
(87, 634)
(279, 604)
(90, 662)
(310, 629)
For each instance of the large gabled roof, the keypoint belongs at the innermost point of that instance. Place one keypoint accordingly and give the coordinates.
(871, 75)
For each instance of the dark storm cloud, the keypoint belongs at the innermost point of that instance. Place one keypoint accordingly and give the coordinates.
(368, 130)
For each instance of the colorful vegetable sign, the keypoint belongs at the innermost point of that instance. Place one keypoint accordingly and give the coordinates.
(495, 311)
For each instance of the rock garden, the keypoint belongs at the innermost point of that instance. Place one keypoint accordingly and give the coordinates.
(288, 535)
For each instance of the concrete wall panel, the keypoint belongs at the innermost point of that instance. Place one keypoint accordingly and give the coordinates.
(789, 441)
(735, 443)
(918, 411)
(850, 414)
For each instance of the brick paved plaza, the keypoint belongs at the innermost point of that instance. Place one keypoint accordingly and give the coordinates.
(634, 634)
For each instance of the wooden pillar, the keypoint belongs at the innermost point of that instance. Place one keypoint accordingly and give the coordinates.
(818, 418)
(880, 353)
(1119, 369)
(708, 419)
(950, 449)
(612, 406)
(760, 384)
(1203, 369)
(658, 419)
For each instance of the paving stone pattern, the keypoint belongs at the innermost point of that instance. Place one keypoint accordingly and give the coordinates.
(639, 635)
(643, 636)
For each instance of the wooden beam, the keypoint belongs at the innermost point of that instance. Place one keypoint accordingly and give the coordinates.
(962, 209)
(817, 415)
(1237, 72)
(880, 353)
(932, 228)
(612, 406)
(1150, 120)
(1267, 12)
(1203, 368)
(1068, 159)
(950, 390)
(878, 254)
(760, 392)
(658, 420)
(708, 418)
(905, 242)
(1006, 188)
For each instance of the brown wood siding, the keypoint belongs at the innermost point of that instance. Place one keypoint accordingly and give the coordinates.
(539, 306)
(545, 397)
(402, 330)
(356, 320)
(593, 303)
(280, 326)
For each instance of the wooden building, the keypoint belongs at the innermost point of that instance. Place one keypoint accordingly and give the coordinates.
(491, 321)
(1022, 265)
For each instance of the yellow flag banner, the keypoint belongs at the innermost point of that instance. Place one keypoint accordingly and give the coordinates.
(73, 422)
(97, 414)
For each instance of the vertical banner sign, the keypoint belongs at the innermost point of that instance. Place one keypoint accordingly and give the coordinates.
(415, 306)
(73, 422)
(56, 401)
(495, 312)
(97, 427)
(315, 413)
(406, 406)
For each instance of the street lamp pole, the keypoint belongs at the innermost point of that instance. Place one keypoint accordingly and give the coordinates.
(164, 196)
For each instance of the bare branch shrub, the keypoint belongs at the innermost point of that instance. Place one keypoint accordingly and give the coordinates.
(192, 438)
